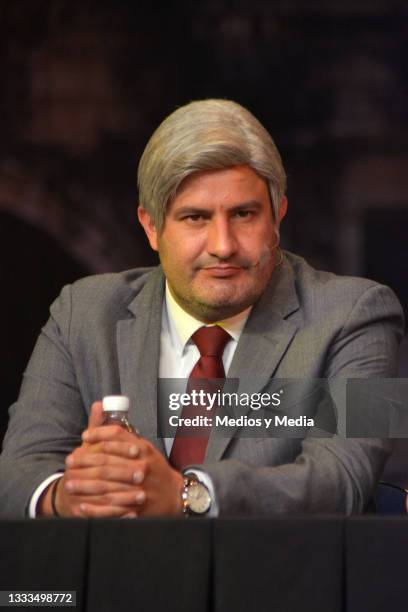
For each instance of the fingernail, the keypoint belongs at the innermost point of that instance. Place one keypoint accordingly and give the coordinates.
(137, 477)
(70, 485)
(130, 515)
(69, 461)
(82, 507)
(85, 436)
(134, 450)
(140, 497)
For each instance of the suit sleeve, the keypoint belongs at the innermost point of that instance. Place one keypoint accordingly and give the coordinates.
(338, 474)
(48, 418)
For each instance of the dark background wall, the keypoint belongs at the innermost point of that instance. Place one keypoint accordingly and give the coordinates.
(83, 85)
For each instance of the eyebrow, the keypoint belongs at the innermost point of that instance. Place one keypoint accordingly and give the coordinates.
(198, 210)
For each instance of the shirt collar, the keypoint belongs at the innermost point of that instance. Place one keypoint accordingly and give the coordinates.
(182, 325)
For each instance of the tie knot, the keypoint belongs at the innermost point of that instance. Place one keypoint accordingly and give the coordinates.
(211, 341)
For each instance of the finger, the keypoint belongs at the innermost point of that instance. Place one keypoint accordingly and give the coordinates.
(96, 416)
(92, 511)
(130, 499)
(129, 515)
(130, 472)
(135, 498)
(97, 487)
(107, 432)
(120, 449)
(90, 459)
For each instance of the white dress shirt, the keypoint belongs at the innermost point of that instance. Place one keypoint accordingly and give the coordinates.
(178, 356)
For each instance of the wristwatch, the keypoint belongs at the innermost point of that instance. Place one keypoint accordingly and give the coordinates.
(195, 496)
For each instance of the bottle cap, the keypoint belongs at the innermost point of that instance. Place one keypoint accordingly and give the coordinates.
(115, 402)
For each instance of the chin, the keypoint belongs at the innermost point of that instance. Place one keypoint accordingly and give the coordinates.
(223, 295)
(212, 309)
(218, 299)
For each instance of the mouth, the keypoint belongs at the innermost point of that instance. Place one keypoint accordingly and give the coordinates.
(222, 271)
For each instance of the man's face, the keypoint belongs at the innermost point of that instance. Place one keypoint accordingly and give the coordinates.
(217, 245)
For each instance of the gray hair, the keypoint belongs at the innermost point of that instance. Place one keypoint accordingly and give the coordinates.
(205, 135)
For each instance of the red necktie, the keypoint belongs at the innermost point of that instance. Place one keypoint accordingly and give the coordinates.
(210, 342)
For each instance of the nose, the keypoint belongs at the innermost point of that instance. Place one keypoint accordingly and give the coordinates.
(221, 241)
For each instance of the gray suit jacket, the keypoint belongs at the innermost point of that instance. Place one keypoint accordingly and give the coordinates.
(103, 337)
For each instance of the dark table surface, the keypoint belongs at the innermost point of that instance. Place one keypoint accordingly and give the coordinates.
(316, 564)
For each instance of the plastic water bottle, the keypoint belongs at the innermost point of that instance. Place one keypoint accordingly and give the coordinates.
(116, 412)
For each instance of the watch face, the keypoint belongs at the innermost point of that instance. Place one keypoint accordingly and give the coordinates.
(198, 498)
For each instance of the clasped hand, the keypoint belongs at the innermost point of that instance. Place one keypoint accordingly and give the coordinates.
(117, 474)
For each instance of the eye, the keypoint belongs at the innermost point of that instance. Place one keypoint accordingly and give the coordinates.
(194, 218)
(244, 214)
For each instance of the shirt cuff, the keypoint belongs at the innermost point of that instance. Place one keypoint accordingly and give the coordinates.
(206, 480)
(32, 508)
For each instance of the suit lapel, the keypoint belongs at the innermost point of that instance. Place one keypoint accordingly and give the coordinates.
(138, 345)
(264, 341)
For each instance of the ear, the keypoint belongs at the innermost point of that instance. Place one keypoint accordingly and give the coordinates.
(283, 208)
(148, 226)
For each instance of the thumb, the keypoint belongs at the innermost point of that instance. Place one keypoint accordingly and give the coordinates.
(96, 415)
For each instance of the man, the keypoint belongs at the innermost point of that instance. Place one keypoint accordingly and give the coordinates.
(212, 196)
